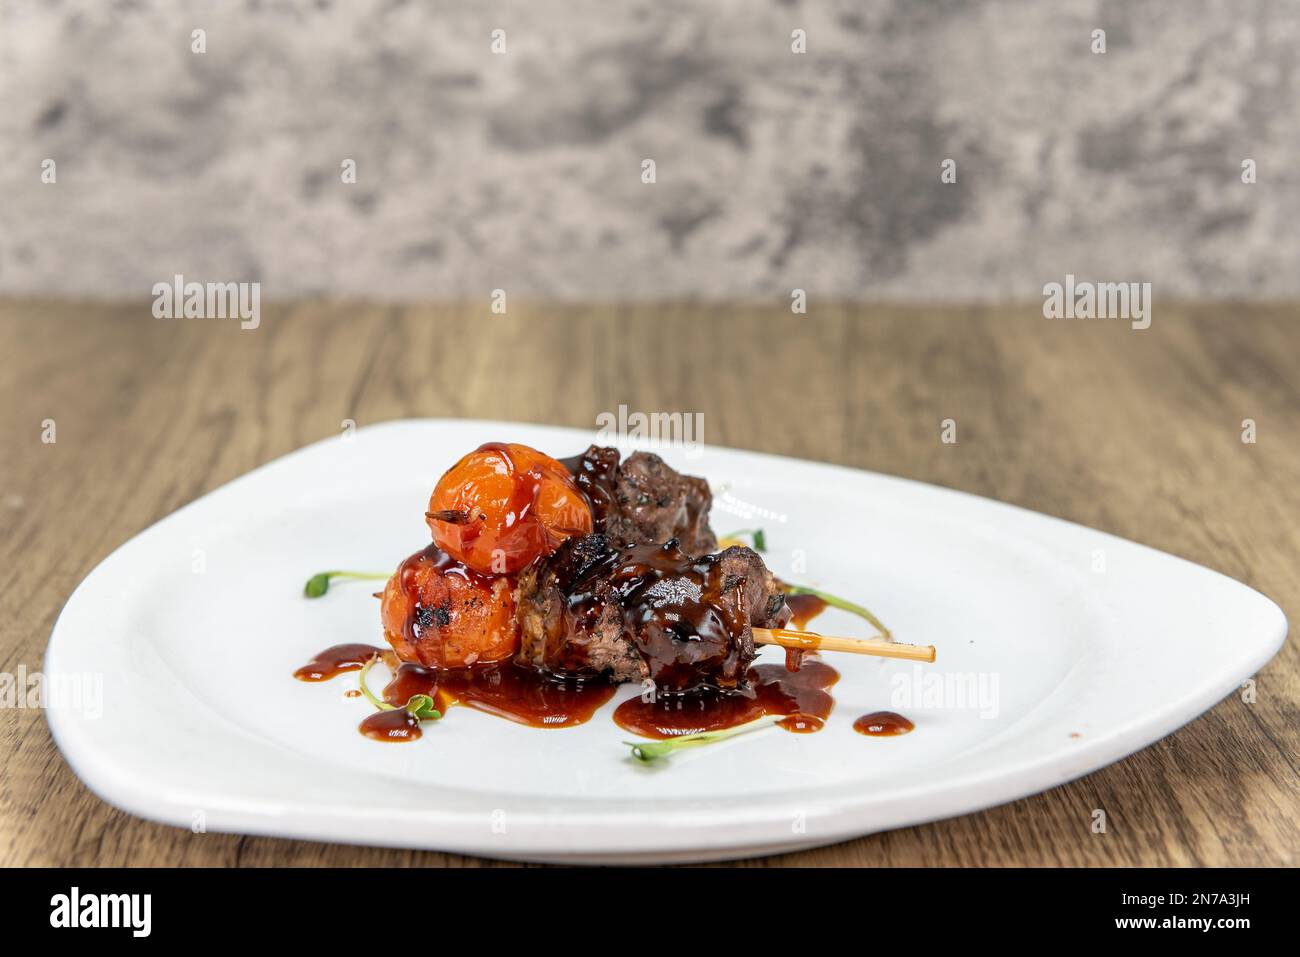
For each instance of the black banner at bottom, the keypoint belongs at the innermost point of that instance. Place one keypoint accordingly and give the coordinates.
(488, 906)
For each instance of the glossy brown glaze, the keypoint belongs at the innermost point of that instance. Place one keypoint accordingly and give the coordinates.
(523, 695)
(882, 724)
(392, 726)
(411, 576)
(528, 696)
(686, 618)
(525, 484)
(643, 500)
(646, 612)
(440, 613)
(679, 617)
(803, 696)
(595, 472)
(803, 609)
(335, 660)
(505, 505)
(409, 680)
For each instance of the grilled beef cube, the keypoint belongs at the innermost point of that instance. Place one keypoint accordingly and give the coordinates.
(644, 500)
(569, 624)
(646, 611)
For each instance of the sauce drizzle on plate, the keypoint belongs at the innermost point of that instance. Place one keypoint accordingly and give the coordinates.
(335, 660)
(799, 690)
(803, 696)
(881, 724)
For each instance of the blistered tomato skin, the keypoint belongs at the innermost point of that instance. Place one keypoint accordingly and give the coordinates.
(439, 614)
(503, 506)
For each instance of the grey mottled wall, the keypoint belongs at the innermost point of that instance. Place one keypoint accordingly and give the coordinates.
(775, 170)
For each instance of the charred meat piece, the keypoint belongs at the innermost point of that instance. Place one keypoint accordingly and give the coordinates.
(644, 499)
(569, 622)
(646, 611)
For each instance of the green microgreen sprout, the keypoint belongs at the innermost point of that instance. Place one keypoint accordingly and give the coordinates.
(319, 583)
(418, 706)
(648, 752)
(836, 602)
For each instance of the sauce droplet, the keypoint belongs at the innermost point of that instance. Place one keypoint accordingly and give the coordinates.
(335, 660)
(395, 726)
(882, 724)
(801, 723)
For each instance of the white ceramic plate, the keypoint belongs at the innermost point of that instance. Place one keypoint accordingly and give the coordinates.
(1089, 647)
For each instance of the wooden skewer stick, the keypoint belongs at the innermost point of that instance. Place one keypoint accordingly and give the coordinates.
(811, 641)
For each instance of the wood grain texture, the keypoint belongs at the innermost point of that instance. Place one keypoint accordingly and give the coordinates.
(1135, 433)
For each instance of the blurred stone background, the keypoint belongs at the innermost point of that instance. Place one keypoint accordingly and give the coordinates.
(523, 171)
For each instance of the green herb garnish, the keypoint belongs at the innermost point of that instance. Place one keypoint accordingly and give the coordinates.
(419, 706)
(650, 751)
(837, 602)
(365, 670)
(319, 583)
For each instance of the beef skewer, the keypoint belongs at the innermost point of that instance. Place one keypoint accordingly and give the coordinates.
(652, 613)
(643, 500)
(628, 601)
(550, 582)
(646, 613)
(631, 612)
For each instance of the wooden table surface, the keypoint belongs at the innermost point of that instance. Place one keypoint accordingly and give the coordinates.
(1135, 433)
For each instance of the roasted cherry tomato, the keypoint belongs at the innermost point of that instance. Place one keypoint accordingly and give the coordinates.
(503, 506)
(440, 614)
